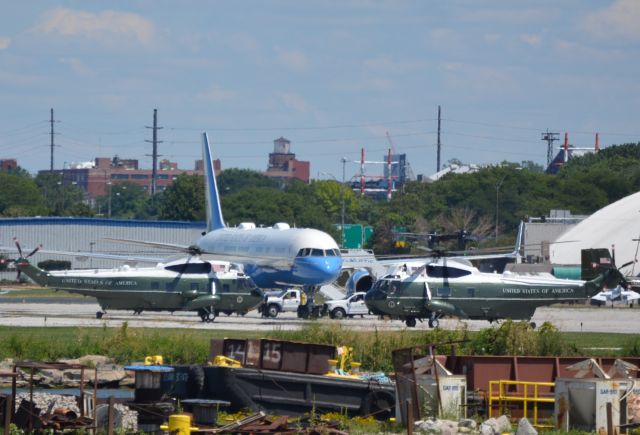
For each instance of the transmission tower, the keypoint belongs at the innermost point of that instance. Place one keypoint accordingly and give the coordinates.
(550, 137)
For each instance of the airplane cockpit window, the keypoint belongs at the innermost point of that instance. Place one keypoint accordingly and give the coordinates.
(446, 272)
(330, 253)
(190, 267)
(317, 252)
(304, 252)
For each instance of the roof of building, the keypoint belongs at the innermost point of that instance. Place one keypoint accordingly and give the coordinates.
(616, 224)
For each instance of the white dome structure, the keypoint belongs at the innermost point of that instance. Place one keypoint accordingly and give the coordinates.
(616, 224)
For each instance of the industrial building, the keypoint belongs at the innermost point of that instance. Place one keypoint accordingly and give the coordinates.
(284, 166)
(87, 235)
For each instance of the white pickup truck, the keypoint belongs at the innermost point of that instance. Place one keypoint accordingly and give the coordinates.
(286, 300)
(347, 307)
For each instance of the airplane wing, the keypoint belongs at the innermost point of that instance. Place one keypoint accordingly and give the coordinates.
(601, 297)
(630, 295)
(195, 250)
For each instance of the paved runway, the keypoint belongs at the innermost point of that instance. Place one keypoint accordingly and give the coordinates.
(19, 314)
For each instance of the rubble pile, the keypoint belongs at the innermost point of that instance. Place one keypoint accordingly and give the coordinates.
(492, 426)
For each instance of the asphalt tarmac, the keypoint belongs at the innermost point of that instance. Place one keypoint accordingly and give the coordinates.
(23, 314)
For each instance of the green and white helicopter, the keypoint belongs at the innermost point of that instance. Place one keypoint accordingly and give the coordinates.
(206, 287)
(454, 287)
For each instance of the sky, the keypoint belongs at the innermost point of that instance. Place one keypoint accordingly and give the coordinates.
(333, 77)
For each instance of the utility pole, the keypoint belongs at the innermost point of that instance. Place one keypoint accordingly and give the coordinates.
(550, 137)
(438, 166)
(155, 141)
(52, 144)
(343, 160)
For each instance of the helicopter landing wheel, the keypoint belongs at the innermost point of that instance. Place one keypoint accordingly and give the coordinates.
(410, 322)
(99, 315)
(532, 325)
(434, 323)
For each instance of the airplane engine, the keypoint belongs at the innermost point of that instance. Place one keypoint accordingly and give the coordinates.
(360, 281)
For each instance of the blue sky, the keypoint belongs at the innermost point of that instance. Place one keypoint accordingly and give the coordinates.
(331, 76)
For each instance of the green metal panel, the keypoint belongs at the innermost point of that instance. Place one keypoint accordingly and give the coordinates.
(567, 272)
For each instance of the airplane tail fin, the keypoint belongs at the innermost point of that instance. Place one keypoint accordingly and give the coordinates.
(212, 198)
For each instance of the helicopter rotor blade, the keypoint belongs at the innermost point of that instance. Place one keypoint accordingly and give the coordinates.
(15, 240)
(34, 251)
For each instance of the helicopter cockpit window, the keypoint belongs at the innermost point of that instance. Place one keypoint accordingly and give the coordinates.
(190, 267)
(155, 285)
(446, 272)
(195, 286)
(443, 292)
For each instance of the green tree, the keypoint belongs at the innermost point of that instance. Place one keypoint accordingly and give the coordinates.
(20, 196)
(183, 200)
(233, 180)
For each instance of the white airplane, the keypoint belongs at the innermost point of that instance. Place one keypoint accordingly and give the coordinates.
(277, 256)
(618, 293)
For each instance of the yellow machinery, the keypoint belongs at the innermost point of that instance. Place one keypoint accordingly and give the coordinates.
(225, 361)
(179, 424)
(527, 393)
(154, 360)
(339, 367)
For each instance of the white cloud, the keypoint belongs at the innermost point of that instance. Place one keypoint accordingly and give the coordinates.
(294, 101)
(107, 27)
(4, 43)
(533, 40)
(620, 20)
(295, 60)
(77, 66)
(217, 94)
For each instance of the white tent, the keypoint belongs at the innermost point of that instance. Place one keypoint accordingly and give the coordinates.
(614, 225)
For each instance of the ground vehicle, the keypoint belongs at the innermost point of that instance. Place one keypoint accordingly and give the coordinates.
(285, 300)
(347, 307)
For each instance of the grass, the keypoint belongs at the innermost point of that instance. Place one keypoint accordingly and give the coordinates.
(373, 349)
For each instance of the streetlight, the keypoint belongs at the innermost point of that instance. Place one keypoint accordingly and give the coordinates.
(109, 202)
(498, 185)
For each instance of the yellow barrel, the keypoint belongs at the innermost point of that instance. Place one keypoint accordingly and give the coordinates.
(179, 424)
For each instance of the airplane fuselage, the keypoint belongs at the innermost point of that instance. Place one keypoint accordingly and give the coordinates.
(277, 256)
